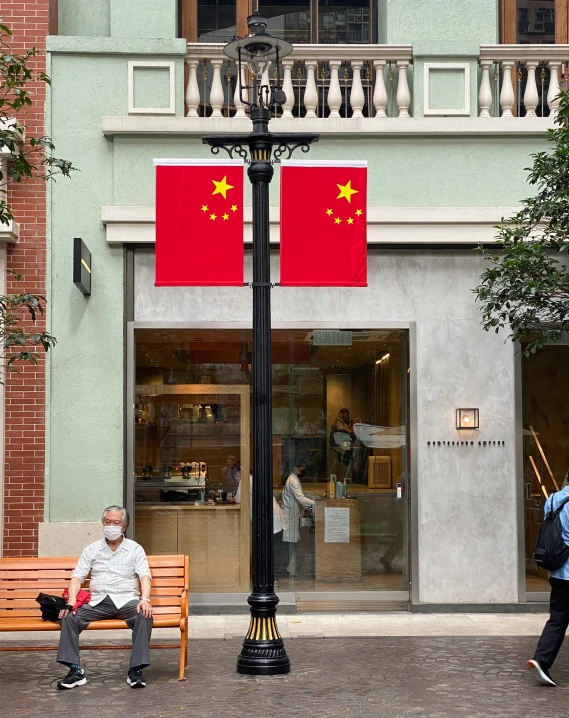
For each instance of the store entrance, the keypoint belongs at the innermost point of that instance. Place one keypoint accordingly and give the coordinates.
(340, 440)
(545, 392)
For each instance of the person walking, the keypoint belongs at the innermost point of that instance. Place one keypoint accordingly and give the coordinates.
(554, 631)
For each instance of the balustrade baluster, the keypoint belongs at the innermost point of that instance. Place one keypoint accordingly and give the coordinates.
(239, 106)
(287, 87)
(357, 97)
(334, 91)
(380, 91)
(403, 97)
(216, 92)
(531, 95)
(553, 92)
(311, 91)
(193, 89)
(507, 96)
(485, 92)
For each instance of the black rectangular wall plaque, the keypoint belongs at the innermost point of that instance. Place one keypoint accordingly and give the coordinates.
(81, 266)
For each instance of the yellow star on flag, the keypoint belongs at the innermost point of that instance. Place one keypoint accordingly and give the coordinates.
(213, 216)
(222, 187)
(350, 220)
(204, 207)
(346, 191)
(358, 212)
(225, 216)
(328, 212)
(234, 208)
(337, 220)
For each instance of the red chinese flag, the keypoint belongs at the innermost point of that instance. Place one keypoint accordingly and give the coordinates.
(323, 224)
(199, 223)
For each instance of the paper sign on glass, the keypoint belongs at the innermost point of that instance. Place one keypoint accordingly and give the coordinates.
(336, 525)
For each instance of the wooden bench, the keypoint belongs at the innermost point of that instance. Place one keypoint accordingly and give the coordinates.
(21, 579)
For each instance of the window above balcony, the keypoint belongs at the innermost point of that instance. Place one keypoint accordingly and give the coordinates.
(298, 21)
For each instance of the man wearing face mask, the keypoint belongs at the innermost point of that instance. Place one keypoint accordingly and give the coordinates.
(120, 589)
(294, 503)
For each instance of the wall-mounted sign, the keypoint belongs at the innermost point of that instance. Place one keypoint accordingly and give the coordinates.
(81, 266)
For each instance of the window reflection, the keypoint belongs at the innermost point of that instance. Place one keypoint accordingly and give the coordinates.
(343, 21)
(535, 22)
(216, 20)
(288, 20)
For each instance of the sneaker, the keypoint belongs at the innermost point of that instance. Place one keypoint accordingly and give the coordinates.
(135, 679)
(540, 673)
(75, 677)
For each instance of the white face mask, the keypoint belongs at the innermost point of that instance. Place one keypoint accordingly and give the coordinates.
(112, 532)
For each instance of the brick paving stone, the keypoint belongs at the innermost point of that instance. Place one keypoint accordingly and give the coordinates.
(387, 677)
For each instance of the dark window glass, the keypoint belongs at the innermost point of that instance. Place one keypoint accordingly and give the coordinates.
(288, 20)
(216, 20)
(343, 21)
(535, 22)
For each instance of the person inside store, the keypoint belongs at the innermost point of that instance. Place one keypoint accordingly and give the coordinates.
(554, 631)
(119, 588)
(230, 474)
(342, 437)
(294, 504)
(277, 516)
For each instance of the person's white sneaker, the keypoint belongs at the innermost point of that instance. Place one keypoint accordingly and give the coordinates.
(541, 675)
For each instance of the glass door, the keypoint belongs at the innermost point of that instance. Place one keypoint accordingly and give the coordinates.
(545, 390)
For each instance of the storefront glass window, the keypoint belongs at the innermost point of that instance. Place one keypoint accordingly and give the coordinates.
(340, 407)
(343, 21)
(545, 389)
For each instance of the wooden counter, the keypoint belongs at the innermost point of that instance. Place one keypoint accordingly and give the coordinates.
(210, 535)
(338, 562)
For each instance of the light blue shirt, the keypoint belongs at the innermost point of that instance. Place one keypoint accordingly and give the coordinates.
(558, 498)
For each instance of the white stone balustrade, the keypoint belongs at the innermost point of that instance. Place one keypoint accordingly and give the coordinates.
(502, 92)
(334, 81)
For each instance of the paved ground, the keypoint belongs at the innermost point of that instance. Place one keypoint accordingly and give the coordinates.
(387, 677)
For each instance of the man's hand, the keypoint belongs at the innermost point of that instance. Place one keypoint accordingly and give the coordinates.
(65, 612)
(145, 608)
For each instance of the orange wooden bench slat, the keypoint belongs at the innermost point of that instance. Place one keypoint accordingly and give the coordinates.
(21, 579)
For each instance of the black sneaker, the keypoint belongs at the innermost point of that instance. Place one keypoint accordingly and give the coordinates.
(540, 673)
(135, 679)
(75, 677)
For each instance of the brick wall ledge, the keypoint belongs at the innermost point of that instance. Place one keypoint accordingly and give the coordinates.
(393, 126)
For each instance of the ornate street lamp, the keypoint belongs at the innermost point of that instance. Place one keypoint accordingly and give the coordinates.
(263, 651)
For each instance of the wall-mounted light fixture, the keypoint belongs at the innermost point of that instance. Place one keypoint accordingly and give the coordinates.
(467, 419)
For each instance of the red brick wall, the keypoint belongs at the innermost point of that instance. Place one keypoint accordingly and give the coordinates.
(25, 392)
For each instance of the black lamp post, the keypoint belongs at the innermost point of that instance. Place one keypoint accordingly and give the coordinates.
(263, 651)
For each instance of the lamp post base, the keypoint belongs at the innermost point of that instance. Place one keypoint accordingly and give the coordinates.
(263, 652)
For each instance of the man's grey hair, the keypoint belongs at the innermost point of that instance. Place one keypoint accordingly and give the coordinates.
(125, 517)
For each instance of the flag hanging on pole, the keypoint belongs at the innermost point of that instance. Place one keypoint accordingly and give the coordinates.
(199, 222)
(323, 224)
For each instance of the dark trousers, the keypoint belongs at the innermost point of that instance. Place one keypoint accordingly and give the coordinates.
(554, 632)
(74, 624)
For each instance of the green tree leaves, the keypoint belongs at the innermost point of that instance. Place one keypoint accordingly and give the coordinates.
(525, 288)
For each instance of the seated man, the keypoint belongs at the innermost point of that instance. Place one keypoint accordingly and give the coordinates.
(120, 588)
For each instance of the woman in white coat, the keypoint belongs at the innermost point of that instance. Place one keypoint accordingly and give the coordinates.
(294, 503)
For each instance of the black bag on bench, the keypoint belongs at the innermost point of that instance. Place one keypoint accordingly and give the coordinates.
(50, 606)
